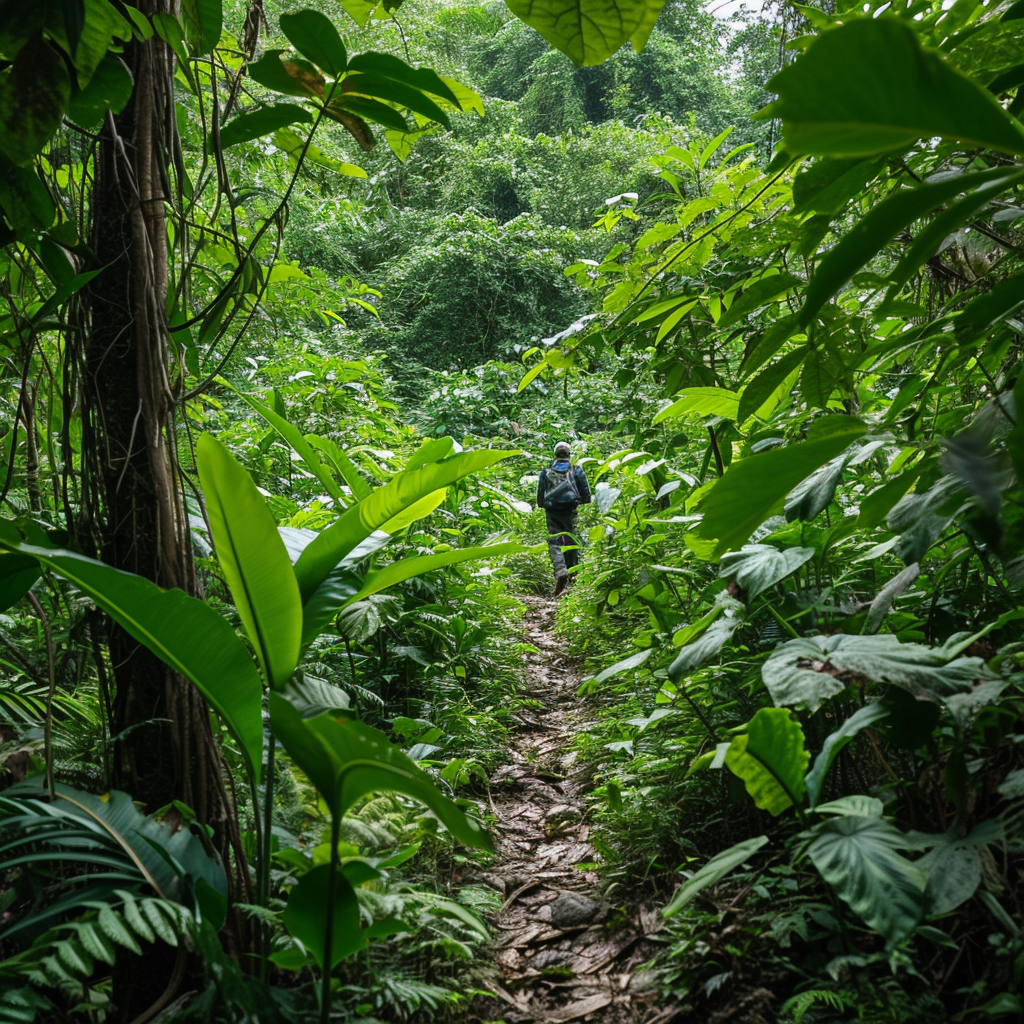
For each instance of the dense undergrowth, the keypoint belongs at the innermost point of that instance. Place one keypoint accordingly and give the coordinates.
(787, 352)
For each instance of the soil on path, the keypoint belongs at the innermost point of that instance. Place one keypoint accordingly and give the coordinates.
(561, 952)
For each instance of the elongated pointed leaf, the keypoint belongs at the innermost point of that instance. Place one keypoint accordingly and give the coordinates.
(407, 568)
(254, 560)
(870, 714)
(303, 449)
(869, 86)
(753, 488)
(387, 66)
(358, 522)
(257, 123)
(180, 630)
(863, 242)
(345, 760)
(714, 871)
(390, 91)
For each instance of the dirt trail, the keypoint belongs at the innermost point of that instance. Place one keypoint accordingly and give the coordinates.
(561, 953)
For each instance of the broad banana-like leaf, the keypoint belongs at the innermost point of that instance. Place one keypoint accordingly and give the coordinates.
(770, 758)
(182, 631)
(406, 568)
(306, 916)
(346, 759)
(358, 522)
(254, 559)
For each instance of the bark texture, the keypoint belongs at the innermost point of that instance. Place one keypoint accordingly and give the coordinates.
(135, 509)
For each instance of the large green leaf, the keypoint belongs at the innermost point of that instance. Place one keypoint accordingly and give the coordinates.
(770, 757)
(359, 521)
(753, 488)
(954, 866)
(203, 21)
(345, 760)
(265, 121)
(703, 640)
(869, 86)
(314, 36)
(870, 714)
(858, 857)
(701, 402)
(254, 559)
(760, 566)
(180, 630)
(407, 568)
(109, 88)
(812, 669)
(17, 575)
(865, 239)
(589, 31)
(34, 92)
(306, 915)
(714, 871)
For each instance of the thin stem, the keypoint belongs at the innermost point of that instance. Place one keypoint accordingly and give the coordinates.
(332, 895)
(263, 868)
(52, 675)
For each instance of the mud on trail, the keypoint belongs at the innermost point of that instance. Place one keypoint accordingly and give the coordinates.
(560, 951)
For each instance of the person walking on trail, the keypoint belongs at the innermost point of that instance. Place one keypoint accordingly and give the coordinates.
(561, 489)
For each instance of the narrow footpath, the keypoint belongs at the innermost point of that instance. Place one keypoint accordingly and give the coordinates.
(561, 952)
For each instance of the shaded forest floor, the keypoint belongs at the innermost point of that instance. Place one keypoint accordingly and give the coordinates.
(560, 951)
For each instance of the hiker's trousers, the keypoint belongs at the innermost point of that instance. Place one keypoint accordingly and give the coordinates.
(561, 533)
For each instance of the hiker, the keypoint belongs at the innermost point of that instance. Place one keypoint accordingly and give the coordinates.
(561, 488)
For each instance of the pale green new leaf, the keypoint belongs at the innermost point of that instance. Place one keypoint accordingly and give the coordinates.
(370, 514)
(770, 758)
(254, 560)
(589, 31)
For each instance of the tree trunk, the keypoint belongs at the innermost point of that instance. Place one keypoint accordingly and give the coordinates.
(135, 510)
